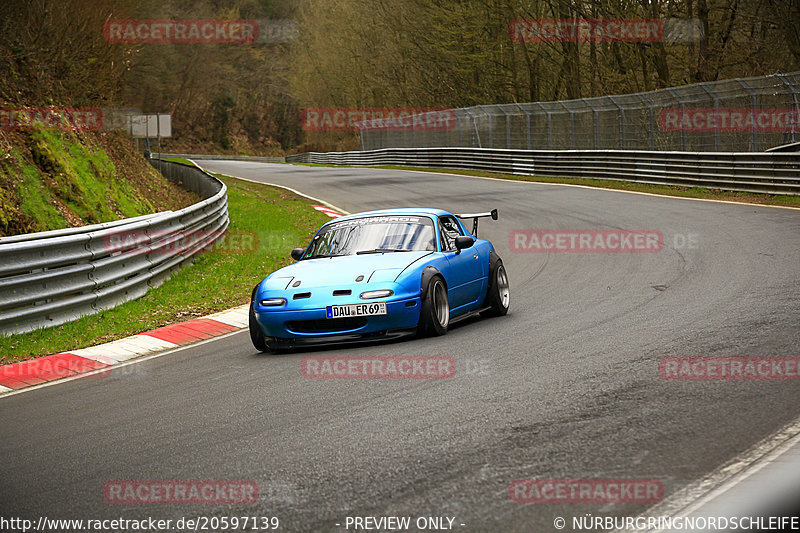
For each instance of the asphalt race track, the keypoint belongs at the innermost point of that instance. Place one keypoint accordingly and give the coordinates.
(567, 386)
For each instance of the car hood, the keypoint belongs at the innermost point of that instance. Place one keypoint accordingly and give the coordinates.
(328, 271)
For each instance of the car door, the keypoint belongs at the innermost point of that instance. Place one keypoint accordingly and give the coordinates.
(464, 271)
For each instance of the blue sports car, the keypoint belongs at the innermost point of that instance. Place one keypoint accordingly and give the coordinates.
(379, 274)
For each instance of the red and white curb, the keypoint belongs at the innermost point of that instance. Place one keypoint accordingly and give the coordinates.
(32, 372)
(327, 210)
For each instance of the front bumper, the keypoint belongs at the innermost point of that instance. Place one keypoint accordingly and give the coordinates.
(311, 324)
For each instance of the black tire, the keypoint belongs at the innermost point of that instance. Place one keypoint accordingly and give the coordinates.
(498, 294)
(434, 316)
(256, 335)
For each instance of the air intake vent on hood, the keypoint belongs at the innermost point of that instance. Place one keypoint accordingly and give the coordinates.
(301, 295)
(342, 292)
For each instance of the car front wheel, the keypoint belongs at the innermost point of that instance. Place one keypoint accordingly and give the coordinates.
(256, 335)
(435, 313)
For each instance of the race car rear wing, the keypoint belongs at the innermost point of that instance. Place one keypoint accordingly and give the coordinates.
(476, 216)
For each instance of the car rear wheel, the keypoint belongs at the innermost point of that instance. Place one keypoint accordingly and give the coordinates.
(498, 296)
(435, 313)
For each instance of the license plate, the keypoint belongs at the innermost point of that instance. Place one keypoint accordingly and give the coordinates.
(340, 311)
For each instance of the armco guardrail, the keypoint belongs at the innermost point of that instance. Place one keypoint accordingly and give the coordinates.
(201, 157)
(53, 277)
(761, 172)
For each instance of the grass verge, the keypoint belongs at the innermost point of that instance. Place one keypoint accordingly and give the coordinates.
(665, 190)
(266, 223)
(179, 160)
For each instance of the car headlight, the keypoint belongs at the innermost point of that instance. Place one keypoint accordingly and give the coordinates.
(273, 302)
(369, 295)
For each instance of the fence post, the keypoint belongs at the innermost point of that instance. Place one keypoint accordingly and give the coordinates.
(651, 132)
(527, 126)
(549, 127)
(448, 141)
(458, 127)
(596, 121)
(491, 126)
(508, 126)
(474, 129)
(754, 106)
(680, 102)
(571, 125)
(621, 122)
(713, 96)
(792, 88)
(414, 133)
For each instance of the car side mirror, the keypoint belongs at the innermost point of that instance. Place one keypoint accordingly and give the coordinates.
(297, 253)
(463, 242)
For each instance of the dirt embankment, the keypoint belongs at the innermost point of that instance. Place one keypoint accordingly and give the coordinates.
(51, 179)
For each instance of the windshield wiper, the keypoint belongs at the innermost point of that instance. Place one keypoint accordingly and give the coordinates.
(318, 256)
(380, 251)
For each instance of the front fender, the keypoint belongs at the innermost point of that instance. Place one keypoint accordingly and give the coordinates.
(427, 273)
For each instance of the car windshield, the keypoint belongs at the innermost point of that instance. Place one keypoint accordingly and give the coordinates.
(373, 235)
